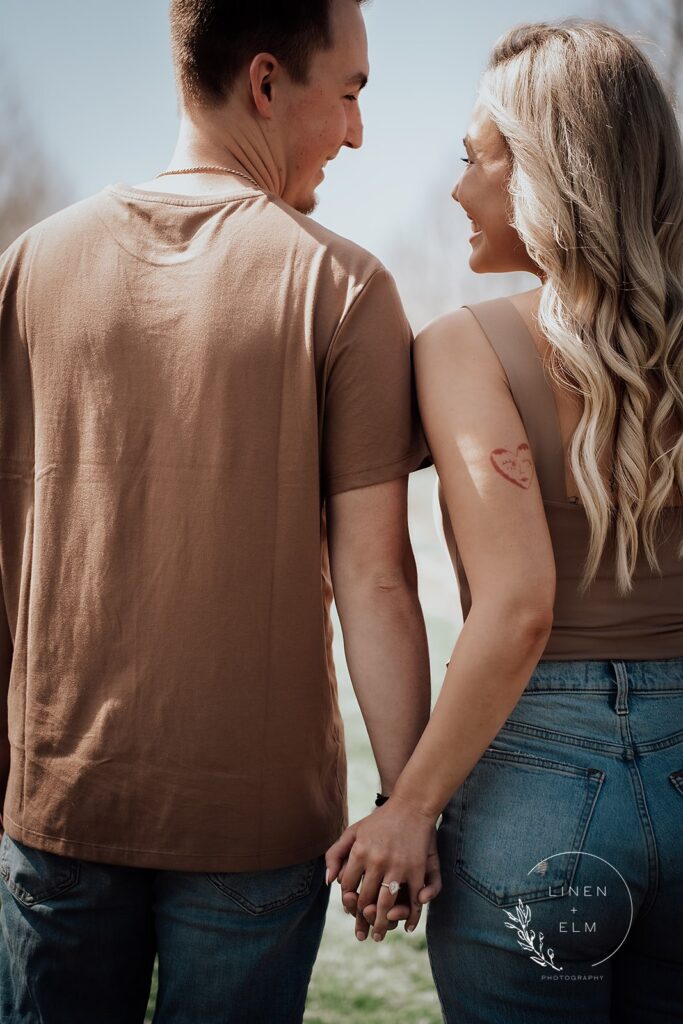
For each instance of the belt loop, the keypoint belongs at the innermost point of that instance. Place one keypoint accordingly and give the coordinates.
(621, 677)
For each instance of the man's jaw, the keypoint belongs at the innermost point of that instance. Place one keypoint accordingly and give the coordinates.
(307, 205)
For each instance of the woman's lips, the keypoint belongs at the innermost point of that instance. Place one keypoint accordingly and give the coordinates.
(476, 230)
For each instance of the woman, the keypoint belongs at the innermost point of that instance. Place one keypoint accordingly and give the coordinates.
(555, 749)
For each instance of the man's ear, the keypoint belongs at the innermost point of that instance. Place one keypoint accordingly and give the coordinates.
(263, 71)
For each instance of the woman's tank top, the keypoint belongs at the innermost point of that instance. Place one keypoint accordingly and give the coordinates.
(600, 624)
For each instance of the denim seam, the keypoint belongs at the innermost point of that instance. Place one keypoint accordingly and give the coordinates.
(649, 690)
(667, 741)
(461, 811)
(603, 746)
(521, 757)
(461, 830)
(650, 840)
(531, 689)
(641, 805)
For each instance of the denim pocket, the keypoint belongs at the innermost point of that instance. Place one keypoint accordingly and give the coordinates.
(677, 780)
(260, 892)
(523, 824)
(35, 876)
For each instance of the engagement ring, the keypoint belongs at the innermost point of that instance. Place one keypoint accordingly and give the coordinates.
(393, 887)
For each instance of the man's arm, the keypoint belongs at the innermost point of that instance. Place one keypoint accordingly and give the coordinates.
(375, 589)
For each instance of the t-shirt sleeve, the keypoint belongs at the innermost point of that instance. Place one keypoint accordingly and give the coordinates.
(371, 425)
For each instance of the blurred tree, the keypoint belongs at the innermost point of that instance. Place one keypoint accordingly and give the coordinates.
(31, 187)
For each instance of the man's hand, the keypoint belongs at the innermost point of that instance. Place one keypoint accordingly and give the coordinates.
(401, 912)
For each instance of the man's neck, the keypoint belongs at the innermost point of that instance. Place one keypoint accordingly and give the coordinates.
(224, 137)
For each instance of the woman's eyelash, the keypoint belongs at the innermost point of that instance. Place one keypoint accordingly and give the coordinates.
(465, 159)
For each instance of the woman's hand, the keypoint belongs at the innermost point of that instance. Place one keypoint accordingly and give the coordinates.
(397, 842)
(401, 909)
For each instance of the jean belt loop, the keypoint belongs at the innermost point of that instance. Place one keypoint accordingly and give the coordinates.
(621, 677)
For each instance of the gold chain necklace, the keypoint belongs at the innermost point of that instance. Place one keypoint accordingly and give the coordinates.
(210, 169)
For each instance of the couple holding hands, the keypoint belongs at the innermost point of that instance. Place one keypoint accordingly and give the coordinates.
(209, 409)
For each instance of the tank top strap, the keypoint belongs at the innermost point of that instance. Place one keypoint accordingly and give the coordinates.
(512, 342)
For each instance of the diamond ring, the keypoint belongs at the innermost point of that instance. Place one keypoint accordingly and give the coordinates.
(393, 887)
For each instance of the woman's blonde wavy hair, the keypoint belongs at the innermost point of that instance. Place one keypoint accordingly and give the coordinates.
(597, 198)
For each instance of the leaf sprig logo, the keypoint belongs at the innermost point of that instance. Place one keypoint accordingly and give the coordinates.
(526, 938)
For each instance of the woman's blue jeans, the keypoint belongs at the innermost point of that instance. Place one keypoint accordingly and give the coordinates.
(562, 856)
(79, 940)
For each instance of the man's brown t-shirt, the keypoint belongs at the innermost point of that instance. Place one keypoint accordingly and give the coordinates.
(182, 382)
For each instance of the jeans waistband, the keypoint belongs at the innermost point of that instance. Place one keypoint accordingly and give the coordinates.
(662, 675)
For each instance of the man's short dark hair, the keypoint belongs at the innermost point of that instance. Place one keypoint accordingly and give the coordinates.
(214, 39)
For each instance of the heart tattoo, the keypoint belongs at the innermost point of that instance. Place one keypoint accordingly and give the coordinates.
(518, 469)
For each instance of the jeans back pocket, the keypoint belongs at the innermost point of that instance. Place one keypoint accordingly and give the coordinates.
(260, 892)
(35, 876)
(523, 824)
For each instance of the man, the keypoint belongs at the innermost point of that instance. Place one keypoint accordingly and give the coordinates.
(199, 386)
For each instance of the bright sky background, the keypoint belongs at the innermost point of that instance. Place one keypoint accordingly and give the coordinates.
(96, 81)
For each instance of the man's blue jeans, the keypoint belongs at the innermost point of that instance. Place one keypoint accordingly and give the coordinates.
(79, 941)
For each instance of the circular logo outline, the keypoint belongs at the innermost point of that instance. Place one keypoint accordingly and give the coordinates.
(584, 853)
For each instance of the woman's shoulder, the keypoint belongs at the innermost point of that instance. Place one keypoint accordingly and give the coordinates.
(463, 324)
(449, 337)
(455, 346)
(458, 339)
(447, 326)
